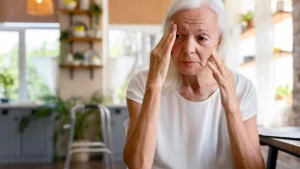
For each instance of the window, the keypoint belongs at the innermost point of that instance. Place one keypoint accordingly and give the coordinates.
(41, 46)
(129, 52)
(28, 52)
(9, 58)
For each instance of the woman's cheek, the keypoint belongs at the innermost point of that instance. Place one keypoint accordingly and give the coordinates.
(175, 50)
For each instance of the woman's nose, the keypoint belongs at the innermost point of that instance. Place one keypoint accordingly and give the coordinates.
(189, 46)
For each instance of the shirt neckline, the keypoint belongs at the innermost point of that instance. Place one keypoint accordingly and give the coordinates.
(201, 102)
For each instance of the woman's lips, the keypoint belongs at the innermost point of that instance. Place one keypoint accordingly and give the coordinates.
(188, 63)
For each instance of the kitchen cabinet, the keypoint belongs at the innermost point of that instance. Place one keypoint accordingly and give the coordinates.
(34, 145)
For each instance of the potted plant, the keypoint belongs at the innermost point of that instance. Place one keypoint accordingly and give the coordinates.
(6, 80)
(64, 48)
(61, 109)
(70, 4)
(78, 58)
(247, 19)
(79, 29)
(284, 92)
(96, 11)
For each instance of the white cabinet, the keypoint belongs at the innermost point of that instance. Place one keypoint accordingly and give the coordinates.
(118, 116)
(34, 145)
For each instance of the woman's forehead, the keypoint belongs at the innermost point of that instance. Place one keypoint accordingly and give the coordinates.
(198, 16)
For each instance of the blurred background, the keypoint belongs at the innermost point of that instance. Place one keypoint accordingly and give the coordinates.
(55, 54)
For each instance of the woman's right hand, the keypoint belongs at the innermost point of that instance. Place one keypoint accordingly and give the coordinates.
(160, 58)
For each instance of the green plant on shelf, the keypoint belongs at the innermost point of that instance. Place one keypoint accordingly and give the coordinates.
(283, 91)
(64, 35)
(78, 56)
(247, 19)
(96, 11)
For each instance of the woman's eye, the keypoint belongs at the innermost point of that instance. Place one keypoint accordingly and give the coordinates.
(178, 36)
(201, 38)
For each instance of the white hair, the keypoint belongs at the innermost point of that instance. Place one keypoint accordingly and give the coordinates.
(173, 79)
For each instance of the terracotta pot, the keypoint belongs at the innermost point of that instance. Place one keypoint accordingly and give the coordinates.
(289, 100)
(250, 24)
(81, 157)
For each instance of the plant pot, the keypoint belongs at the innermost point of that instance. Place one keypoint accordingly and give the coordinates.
(4, 100)
(79, 34)
(280, 6)
(84, 4)
(250, 24)
(76, 62)
(81, 157)
(71, 5)
(289, 100)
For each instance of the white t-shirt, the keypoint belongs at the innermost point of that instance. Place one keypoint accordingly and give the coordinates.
(193, 135)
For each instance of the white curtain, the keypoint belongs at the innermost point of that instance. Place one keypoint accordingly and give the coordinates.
(47, 70)
(119, 69)
(232, 58)
(265, 72)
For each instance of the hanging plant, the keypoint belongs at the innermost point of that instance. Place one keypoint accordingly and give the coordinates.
(96, 11)
(64, 35)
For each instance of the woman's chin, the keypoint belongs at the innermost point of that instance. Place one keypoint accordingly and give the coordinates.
(189, 71)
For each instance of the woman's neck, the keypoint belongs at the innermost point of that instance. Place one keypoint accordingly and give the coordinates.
(198, 87)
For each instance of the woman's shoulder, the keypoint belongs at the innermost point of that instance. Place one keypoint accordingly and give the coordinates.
(246, 94)
(136, 86)
(140, 77)
(242, 82)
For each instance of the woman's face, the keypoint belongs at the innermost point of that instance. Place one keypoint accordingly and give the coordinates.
(196, 39)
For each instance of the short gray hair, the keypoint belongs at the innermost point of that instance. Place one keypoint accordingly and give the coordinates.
(173, 80)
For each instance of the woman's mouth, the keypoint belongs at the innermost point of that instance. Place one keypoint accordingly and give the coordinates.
(188, 63)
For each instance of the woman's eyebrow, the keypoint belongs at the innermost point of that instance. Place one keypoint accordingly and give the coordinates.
(203, 30)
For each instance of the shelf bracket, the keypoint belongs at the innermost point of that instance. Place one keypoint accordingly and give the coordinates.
(91, 73)
(71, 73)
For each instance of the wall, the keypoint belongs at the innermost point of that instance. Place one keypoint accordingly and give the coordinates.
(81, 84)
(137, 11)
(8, 12)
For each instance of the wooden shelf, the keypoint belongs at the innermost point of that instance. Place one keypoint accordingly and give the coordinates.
(72, 67)
(276, 55)
(85, 39)
(75, 11)
(277, 17)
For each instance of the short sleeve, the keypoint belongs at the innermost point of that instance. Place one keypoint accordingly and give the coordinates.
(136, 87)
(136, 91)
(246, 93)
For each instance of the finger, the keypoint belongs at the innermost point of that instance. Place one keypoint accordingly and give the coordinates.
(216, 73)
(227, 70)
(218, 62)
(169, 37)
(165, 37)
(171, 40)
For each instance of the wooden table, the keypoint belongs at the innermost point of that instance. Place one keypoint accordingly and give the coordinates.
(289, 146)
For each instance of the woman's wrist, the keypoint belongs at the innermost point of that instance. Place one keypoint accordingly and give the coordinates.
(153, 85)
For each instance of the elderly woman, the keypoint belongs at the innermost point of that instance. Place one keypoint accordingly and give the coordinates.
(189, 111)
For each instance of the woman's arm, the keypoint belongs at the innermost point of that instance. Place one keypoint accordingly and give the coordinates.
(143, 119)
(244, 141)
(243, 136)
(142, 132)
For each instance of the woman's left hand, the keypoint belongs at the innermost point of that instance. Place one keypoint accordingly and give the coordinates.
(226, 82)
